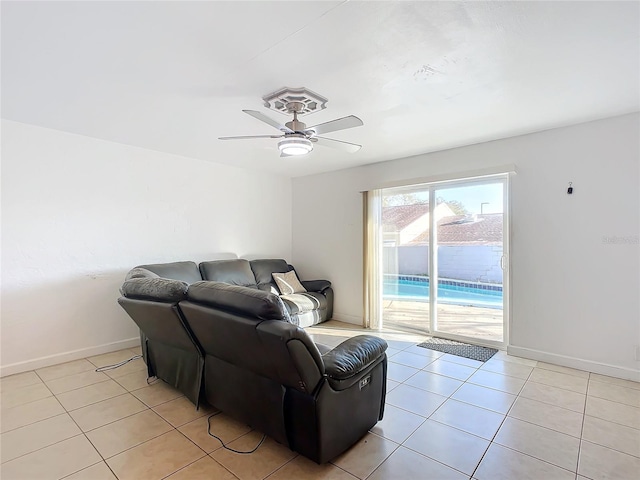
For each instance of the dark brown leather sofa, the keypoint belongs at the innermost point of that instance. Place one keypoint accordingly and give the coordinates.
(253, 363)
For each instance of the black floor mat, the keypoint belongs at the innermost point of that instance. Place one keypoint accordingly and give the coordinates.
(474, 352)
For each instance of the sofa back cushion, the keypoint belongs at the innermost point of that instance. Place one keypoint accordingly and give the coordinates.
(247, 302)
(263, 270)
(235, 272)
(184, 271)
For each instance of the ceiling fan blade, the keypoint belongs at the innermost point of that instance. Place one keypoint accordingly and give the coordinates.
(334, 125)
(263, 118)
(330, 142)
(242, 137)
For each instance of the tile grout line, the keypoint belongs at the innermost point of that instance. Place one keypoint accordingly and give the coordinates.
(32, 423)
(450, 397)
(180, 433)
(55, 443)
(296, 454)
(45, 446)
(546, 428)
(584, 414)
(531, 456)
(280, 467)
(431, 458)
(547, 403)
(84, 386)
(593, 442)
(555, 386)
(147, 408)
(84, 468)
(463, 382)
(176, 429)
(531, 423)
(68, 412)
(86, 437)
(491, 442)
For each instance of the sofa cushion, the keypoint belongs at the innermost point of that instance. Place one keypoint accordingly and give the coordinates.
(234, 272)
(183, 271)
(288, 283)
(159, 289)
(245, 301)
(306, 309)
(263, 270)
(304, 302)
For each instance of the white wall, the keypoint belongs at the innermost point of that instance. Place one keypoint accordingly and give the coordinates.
(574, 294)
(475, 263)
(77, 213)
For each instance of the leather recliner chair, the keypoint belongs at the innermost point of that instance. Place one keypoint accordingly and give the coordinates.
(268, 373)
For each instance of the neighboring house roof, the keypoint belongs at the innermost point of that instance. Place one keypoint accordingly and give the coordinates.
(485, 229)
(397, 218)
(452, 229)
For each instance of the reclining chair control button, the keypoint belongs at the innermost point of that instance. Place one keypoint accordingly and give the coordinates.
(365, 381)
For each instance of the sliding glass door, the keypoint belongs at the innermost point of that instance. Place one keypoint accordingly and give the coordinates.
(444, 259)
(470, 248)
(405, 258)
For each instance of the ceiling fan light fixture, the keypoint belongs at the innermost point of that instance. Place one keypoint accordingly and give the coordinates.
(295, 145)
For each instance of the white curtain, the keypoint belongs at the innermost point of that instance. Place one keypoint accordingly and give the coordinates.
(372, 221)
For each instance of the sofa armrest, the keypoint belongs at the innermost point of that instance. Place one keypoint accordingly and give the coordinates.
(316, 285)
(350, 358)
(160, 289)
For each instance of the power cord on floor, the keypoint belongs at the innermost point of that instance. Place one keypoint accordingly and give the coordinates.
(223, 444)
(116, 365)
(135, 357)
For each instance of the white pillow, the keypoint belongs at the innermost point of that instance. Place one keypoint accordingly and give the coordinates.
(288, 283)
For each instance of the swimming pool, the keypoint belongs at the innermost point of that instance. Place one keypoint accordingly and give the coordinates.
(412, 288)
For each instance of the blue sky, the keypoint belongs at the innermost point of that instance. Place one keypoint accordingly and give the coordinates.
(472, 196)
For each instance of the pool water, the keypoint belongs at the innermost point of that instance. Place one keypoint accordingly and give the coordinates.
(449, 292)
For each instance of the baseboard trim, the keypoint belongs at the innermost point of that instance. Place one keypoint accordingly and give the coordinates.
(346, 318)
(573, 362)
(42, 362)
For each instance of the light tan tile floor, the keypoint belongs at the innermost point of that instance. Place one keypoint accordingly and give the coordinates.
(446, 418)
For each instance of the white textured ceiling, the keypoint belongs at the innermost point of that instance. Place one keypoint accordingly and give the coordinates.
(423, 76)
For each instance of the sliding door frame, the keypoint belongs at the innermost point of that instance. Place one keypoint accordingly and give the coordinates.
(433, 257)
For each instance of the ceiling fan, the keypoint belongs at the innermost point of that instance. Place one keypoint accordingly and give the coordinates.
(296, 137)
